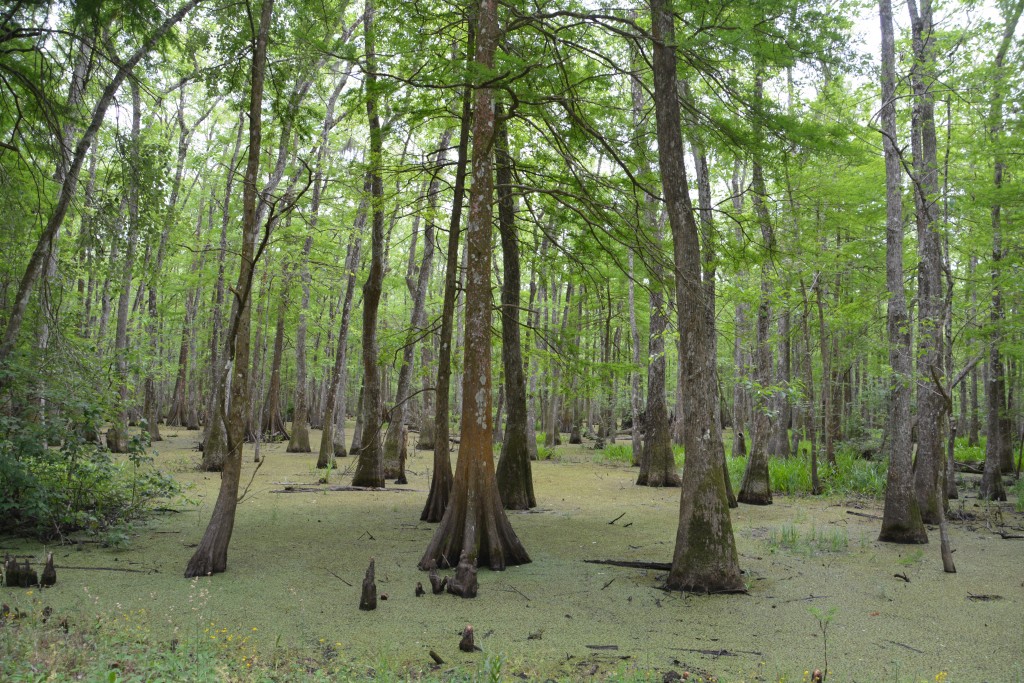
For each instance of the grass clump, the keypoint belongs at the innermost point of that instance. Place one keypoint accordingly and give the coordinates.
(615, 453)
(817, 541)
(1018, 490)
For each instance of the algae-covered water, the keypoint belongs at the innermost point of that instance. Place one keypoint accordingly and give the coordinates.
(819, 583)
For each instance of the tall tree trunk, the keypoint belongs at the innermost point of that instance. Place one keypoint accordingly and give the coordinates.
(475, 525)
(272, 423)
(901, 520)
(332, 440)
(931, 408)
(705, 558)
(211, 555)
(117, 436)
(214, 435)
(393, 444)
(514, 474)
(370, 467)
(756, 487)
(441, 482)
(998, 437)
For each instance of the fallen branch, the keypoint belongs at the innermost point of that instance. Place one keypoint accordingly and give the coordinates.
(339, 578)
(903, 645)
(983, 597)
(603, 647)
(862, 514)
(513, 589)
(809, 597)
(657, 566)
(1007, 536)
(320, 489)
(115, 569)
(902, 576)
(617, 518)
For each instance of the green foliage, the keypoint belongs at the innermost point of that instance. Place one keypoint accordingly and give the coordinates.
(1018, 490)
(964, 453)
(616, 453)
(50, 492)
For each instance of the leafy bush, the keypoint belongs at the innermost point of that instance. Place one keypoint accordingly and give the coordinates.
(51, 491)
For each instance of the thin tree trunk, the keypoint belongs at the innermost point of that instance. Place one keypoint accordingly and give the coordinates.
(998, 436)
(514, 474)
(211, 555)
(370, 467)
(441, 482)
(117, 436)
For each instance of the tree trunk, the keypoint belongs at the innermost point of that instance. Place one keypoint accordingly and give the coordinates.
(442, 481)
(272, 425)
(370, 467)
(998, 437)
(705, 558)
(117, 436)
(901, 519)
(393, 444)
(514, 474)
(332, 440)
(931, 409)
(214, 436)
(756, 487)
(475, 523)
(211, 556)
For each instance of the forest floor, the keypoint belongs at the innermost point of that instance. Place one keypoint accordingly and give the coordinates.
(819, 584)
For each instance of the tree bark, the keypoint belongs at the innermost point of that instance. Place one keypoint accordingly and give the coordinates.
(332, 439)
(214, 436)
(475, 523)
(756, 486)
(117, 435)
(705, 558)
(931, 408)
(418, 323)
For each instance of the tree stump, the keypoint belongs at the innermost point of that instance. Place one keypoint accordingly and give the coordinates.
(419, 590)
(368, 601)
(467, 644)
(574, 435)
(27, 578)
(739, 446)
(49, 576)
(12, 572)
(464, 583)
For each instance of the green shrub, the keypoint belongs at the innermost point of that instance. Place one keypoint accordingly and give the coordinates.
(1018, 490)
(50, 491)
(616, 453)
